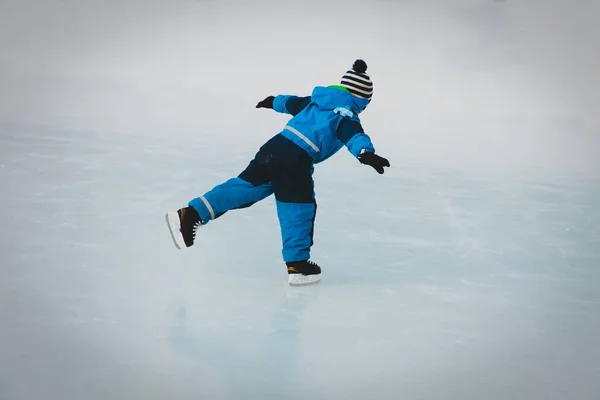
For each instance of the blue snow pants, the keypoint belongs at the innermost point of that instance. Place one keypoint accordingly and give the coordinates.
(282, 168)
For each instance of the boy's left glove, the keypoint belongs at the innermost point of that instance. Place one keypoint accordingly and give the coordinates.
(374, 161)
(266, 103)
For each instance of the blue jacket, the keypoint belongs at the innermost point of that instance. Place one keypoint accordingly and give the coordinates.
(325, 122)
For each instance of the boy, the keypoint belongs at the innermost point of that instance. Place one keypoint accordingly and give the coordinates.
(321, 125)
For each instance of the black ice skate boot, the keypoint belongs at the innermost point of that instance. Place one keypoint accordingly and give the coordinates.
(183, 225)
(303, 273)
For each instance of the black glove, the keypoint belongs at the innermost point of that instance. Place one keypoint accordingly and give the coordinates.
(374, 161)
(266, 103)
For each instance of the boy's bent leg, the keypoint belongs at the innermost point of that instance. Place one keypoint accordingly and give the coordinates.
(232, 194)
(250, 186)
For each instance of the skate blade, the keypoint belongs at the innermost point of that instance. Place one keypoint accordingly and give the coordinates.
(175, 229)
(303, 280)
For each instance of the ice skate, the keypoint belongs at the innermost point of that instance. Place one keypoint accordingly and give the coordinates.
(302, 273)
(183, 225)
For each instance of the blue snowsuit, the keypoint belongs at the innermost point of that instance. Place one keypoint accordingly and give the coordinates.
(321, 125)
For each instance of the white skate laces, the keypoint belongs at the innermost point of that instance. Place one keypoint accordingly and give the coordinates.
(197, 226)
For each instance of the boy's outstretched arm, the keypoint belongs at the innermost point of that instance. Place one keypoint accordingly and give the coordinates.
(359, 144)
(286, 104)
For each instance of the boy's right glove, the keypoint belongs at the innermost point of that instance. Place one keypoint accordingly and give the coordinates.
(374, 161)
(266, 103)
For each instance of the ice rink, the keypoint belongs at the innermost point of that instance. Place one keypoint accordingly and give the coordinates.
(469, 270)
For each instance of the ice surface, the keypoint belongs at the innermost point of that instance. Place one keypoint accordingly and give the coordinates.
(470, 270)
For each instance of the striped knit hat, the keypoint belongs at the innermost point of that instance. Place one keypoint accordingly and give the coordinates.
(357, 81)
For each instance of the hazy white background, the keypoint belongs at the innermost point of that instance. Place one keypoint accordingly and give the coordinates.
(468, 270)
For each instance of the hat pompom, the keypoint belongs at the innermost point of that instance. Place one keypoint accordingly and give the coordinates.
(359, 66)
(357, 82)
